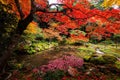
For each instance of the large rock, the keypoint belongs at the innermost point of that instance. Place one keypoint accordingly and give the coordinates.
(102, 59)
(96, 59)
(109, 59)
(117, 64)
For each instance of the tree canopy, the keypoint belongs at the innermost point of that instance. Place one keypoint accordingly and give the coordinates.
(70, 15)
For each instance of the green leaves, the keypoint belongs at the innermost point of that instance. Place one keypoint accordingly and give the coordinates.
(54, 75)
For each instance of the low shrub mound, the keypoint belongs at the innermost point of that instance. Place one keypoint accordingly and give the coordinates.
(63, 63)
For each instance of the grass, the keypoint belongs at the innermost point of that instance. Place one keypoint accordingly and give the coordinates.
(87, 52)
(112, 51)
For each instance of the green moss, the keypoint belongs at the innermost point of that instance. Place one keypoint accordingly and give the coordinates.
(105, 59)
(87, 57)
(117, 64)
(97, 60)
(34, 47)
(86, 50)
(109, 59)
(112, 51)
(54, 75)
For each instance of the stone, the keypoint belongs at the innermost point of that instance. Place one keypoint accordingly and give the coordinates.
(96, 60)
(109, 59)
(102, 59)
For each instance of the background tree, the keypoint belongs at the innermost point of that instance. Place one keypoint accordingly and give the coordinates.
(110, 3)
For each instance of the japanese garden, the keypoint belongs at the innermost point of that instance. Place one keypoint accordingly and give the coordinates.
(59, 39)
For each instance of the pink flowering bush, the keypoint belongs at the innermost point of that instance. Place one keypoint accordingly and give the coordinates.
(63, 63)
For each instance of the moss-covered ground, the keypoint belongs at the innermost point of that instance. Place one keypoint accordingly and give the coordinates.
(96, 66)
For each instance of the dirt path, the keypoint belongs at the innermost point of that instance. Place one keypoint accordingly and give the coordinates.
(43, 57)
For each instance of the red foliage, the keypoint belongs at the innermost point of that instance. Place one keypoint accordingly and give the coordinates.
(42, 3)
(76, 13)
(25, 6)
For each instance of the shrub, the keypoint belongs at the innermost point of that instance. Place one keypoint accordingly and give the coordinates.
(117, 64)
(33, 47)
(107, 42)
(54, 75)
(62, 63)
(32, 43)
(8, 24)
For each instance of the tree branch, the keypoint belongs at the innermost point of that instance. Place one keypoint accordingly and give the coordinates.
(33, 7)
(19, 9)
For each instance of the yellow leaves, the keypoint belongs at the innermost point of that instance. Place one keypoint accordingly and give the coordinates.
(118, 2)
(11, 2)
(12, 5)
(109, 3)
(3, 1)
(54, 25)
(32, 28)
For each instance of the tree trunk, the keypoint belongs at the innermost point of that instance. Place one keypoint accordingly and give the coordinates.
(22, 25)
(14, 40)
(9, 51)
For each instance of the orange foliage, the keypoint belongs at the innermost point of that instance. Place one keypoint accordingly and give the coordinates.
(53, 25)
(50, 33)
(25, 5)
(11, 2)
(42, 3)
(79, 37)
(32, 28)
(89, 28)
(71, 25)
